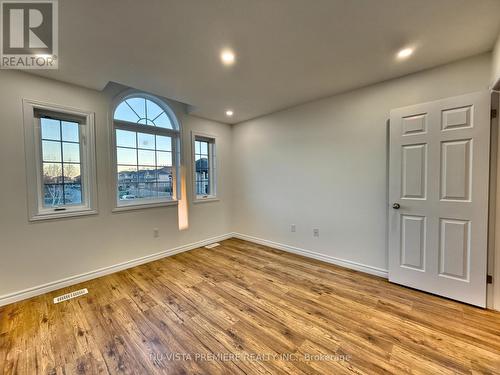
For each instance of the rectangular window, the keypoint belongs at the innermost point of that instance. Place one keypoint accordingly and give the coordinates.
(144, 167)
(61, 164)
(204, 163)
(60, 161)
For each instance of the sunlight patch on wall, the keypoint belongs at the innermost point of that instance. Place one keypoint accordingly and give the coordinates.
(183, 205)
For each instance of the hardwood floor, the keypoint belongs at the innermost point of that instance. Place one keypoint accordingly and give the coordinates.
(245, 308)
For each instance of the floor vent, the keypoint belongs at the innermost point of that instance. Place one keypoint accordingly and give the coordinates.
(212, 245)
(76, 293)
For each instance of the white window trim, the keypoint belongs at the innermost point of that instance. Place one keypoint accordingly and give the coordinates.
(212, 167)
(176, 135)
(33, 155)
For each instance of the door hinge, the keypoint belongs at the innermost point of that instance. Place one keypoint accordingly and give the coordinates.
(489, 279)
(493, 113)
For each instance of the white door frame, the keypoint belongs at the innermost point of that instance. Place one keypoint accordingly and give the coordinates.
(493, 300)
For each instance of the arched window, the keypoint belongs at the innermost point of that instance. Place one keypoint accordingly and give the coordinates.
(147, 143)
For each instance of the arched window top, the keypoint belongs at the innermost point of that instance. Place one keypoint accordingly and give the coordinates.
(146, 137)
(145, 110)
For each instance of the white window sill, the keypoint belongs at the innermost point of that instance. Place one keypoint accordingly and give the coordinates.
(50, 215)
(209, 198)
(141, 206)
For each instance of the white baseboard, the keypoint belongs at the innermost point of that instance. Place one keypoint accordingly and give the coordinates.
(72, 280)
(311, 254)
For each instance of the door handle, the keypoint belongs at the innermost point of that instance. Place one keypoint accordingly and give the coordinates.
(396, 206)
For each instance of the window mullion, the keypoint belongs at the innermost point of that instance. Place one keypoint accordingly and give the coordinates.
(122, 125)
(156, 183)
(62, 162)
(139, 117)
(83, 168)
(211, 152)
(137, 161)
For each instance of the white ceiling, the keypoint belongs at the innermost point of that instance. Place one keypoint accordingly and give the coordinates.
(288, 51)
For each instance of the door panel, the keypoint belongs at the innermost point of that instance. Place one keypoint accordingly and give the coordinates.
(457, 118)
(413, 241)
(414, 124)
(456, 170)
(454, 248)
(439, 176)
(414, 171)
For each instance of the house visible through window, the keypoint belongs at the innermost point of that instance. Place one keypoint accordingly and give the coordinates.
(60, 161)
(202, 170)
(62, 170)
(146, 139)
(204, 166)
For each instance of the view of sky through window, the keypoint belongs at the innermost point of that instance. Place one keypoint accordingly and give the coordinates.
(62, 182)
(142, 111)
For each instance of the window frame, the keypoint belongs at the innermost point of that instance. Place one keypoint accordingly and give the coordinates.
(212, 166)
(175, 135)
(34, 160)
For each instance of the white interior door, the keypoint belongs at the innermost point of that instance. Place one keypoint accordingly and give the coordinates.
(438, 191)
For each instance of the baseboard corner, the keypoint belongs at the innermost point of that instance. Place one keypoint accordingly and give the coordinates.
(311, 254)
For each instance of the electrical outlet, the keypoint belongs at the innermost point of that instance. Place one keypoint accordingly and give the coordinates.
(156, 232)
(315, 232)
(293, 228)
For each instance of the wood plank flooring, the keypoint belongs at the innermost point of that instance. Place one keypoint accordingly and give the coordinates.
(243, 308)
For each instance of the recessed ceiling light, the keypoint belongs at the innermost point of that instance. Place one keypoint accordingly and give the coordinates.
(229, 113)
(404, 53)
(227, 56)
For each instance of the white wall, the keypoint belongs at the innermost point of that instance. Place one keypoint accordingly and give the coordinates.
(324, 164)
(36, 253)
(321, 164)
